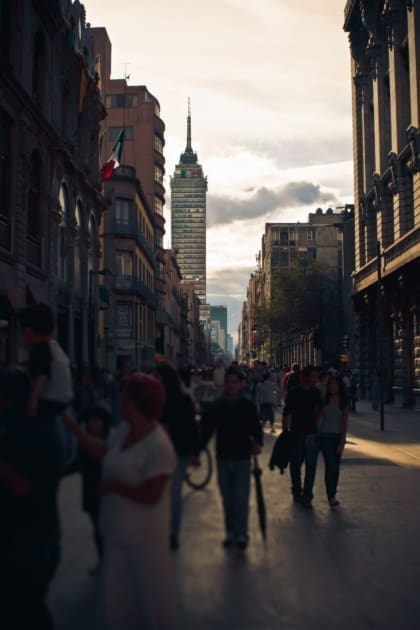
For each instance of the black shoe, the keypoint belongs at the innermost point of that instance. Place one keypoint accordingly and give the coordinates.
(307, 504)
(174, 544)
(94, 571)
(228, 542)
(241, 544)
(297, 498)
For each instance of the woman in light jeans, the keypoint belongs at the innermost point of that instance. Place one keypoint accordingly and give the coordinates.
(333, 430)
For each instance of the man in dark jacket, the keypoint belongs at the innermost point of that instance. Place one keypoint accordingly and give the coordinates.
(301, 416)
(234, 419)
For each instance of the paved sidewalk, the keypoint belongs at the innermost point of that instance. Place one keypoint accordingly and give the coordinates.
(400, 437)
(354, 568)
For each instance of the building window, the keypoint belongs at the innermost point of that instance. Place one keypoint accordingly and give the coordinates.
(158, 175)
(78, 213)
(65, 112)
(38, 67)
(5, 29)
(284, 237)
(310, 235)
(62, 245)
(121, 100)
(34, 217)
(124, 262)
(123, 210)
(158, 144)
(124, 319)
(4, 181)
(92, 243)
(114, 132)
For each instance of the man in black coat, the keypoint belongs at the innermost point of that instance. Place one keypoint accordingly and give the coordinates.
(301, 415)
(234, 419)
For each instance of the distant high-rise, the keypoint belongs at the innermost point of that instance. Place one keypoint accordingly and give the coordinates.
(188, 220)
(219, 314)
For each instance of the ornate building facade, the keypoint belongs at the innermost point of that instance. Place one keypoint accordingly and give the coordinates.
(385, 54)
(139, 315)
(50, 200)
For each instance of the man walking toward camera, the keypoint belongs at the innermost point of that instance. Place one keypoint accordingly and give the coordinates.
(234, 419)
(301, 415)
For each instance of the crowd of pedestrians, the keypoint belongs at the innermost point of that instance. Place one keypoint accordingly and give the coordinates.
(131, 436)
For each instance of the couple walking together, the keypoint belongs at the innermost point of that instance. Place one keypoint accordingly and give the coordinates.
(316, 423)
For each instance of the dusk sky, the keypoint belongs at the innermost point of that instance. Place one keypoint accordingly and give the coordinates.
(269, 82)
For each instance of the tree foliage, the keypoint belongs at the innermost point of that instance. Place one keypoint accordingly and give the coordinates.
(301, 295)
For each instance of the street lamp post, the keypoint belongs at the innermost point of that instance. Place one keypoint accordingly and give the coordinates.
(92, 314)
(380, 335)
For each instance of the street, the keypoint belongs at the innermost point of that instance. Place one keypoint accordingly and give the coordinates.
(357, 567)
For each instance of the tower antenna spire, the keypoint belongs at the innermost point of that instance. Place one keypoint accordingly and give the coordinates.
(189, 147)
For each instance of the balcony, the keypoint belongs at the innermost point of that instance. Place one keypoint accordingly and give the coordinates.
(131, 229)
(130, 284)
(159, 222)
(148, 296)
(126, 283)
(126, 171)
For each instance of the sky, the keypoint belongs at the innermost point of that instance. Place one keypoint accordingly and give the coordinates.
(270, 89)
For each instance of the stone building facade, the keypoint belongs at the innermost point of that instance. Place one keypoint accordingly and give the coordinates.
(327, 238)
(50, 200)
(129, 255)
(385, 55)
(135, 109)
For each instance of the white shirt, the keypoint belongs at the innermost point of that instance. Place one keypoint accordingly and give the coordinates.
(123, 520)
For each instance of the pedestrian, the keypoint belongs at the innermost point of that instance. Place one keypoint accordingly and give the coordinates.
(291, 379)
(135, 580)
(178, 418)
(333, 430)
(267, 398)
(31, 464)
(219, 376)
(234, 420)
(301, 415)
(97, 422)
(49, 366)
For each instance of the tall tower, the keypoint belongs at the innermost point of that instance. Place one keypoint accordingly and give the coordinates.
(188, 219)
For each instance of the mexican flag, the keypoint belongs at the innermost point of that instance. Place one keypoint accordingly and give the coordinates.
(114, 160)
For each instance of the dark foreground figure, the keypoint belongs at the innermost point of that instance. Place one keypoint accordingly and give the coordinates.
(30, 470)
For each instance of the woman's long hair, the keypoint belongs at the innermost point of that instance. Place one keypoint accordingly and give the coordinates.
(342, 392)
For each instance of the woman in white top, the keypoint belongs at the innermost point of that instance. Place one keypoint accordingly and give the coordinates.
(135, 582)
(333, 430)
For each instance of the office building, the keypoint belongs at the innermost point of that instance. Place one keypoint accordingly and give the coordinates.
(188, 220)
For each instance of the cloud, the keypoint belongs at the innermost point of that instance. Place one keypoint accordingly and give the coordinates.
(228, 282)
(223, 210)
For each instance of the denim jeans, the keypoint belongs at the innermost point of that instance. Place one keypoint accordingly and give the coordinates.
(234, 479)
(328, 444)
(304, 448)
(267, 412)
(176, 495)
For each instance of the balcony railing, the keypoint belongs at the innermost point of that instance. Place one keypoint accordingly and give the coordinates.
(131, 284)
(129, 228)
(132, 229)
(126, 283)
(148, 295)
